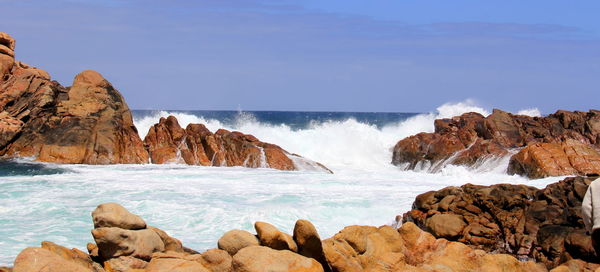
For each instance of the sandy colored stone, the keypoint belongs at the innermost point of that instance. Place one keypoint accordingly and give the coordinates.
(270, 236)
(216, 260)
(124, 264)
(114, 242)
(234, 240)
(73, 255)
(309, 242)
(35, 259)
(115, 215)
(174, 265)
(171, 244)
(265, 259)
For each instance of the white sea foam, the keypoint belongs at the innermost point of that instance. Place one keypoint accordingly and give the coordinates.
(198, 204)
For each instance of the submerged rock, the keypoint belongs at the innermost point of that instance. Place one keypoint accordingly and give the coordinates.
(88, 122)
(539, 224)
(471, 138)
(168, 142)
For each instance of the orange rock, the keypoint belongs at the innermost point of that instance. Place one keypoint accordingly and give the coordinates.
(167, 142)
(555, 159)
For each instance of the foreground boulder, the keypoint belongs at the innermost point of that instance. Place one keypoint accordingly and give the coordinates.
(168, 142)
(88, 122)
(539, 224)
(264, 259)
(471, 138)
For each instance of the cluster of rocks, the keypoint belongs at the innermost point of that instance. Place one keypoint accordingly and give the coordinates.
(544, 225)
(563, 143)
(124, 242)
(90, 123)
(168, 142)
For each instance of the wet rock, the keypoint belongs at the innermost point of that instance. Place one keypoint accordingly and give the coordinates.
(539, 224)
(270, 236)
(265, 259)
(167, 142)
(234, 240)
(115, 215)
(471, 139)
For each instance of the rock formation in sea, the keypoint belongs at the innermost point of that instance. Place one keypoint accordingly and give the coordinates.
(88, 122)
(125, 242)
(563, 143)
(544, 225)
(168, 142)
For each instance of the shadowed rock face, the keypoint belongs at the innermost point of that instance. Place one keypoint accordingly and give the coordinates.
(471, 138)
(168, 142)
(88, 122)
(544, 225)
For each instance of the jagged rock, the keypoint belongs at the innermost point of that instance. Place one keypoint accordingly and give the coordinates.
(270, 236)
(9, 128)
(309, 242)
(234, 240)
(88, 122)
(115, 215)
(35, 259)
(541, 160)
(265, 259)
(471, 138)
(365, 248)
(167, 142)
(115, 242)
(124, 264)
(540, 224)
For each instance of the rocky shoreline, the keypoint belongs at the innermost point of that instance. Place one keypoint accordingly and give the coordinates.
(469, 228)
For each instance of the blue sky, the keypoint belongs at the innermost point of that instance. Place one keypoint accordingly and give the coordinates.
(320, 55)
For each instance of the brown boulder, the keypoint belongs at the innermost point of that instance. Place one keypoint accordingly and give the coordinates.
(9, 128)
(264, 259)
(171, 244)
(7, 54)
(309, 242)
(539, 224)
(555, 159)
(234, 240)
(174, 265)
(216, 260)
(445, 225)
(270, 236)
(73, 255)
(35, 259)
(124, 264)
(114, 242)
(115, 215)
(167, 142)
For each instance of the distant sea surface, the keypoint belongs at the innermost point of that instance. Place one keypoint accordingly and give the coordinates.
(197, 204)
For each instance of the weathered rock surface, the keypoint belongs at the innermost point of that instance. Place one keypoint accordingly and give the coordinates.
(35, 259)
(124, 264)
(569, 157)
(472, 138)
(168, 142)
(540, 224)
(309, 242)
(365, 248)
(88, 122)
(115, 215)
(270, 236)
(234, 240)
(265, 259)
(115, 242)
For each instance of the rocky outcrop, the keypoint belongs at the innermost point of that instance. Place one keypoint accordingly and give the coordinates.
(355, 248)
(472, 138)
(168, 142)
(569, 157)
(88, 122)
(538, 224)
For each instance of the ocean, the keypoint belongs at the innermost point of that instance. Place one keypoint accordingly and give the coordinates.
(197, 204)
